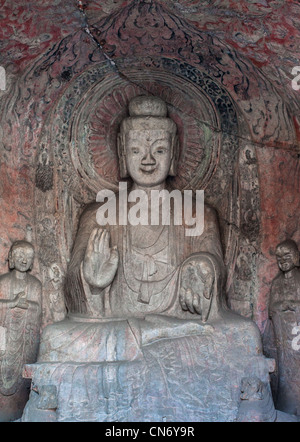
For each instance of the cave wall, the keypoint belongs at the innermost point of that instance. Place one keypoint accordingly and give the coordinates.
(225, 71)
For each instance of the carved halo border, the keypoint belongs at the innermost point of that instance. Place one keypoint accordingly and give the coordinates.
(87, 117)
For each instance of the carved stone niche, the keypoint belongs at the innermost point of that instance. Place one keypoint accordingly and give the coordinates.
(161, 367)
(134, 348)
(79, 140)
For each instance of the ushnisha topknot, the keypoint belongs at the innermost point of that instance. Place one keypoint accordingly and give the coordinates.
(144, 105)
(148, 113)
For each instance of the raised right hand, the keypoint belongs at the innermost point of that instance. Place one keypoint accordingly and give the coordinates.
(101, 262)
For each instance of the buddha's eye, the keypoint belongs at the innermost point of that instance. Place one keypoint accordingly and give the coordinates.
(135, 150)
(160, 150)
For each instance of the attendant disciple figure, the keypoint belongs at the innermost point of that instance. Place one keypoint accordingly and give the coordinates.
(20, 321)
(284, 313)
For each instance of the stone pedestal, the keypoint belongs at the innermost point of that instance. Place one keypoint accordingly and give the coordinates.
(195, 378)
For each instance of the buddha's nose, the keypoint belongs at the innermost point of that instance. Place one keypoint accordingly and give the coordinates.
(148, 159)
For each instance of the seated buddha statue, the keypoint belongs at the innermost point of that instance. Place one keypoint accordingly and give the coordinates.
(148, 335)
(143, 279)
(132, 270)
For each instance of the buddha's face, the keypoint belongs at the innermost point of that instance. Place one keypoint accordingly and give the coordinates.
(148, 156)
(287, 258)
(21, 258)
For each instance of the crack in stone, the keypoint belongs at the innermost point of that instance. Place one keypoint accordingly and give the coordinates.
(82, 7)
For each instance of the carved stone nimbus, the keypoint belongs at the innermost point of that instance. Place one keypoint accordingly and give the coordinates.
(20, 321)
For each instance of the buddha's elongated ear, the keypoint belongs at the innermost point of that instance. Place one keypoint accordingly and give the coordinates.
(175, 155)
(11, 262)
(121, 155)
(31, 266)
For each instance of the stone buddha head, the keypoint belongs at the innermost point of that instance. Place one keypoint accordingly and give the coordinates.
(21, 256)
(148, 142)
(287, 255)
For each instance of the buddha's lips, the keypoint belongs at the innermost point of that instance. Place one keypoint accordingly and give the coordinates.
(148, 170)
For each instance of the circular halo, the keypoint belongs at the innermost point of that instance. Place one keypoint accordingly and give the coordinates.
(98, 115)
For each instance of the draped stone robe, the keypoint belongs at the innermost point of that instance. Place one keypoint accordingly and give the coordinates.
(137, 356)
(149, 264)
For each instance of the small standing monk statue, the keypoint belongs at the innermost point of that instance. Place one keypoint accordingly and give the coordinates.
(20, 321)
(284, 313)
